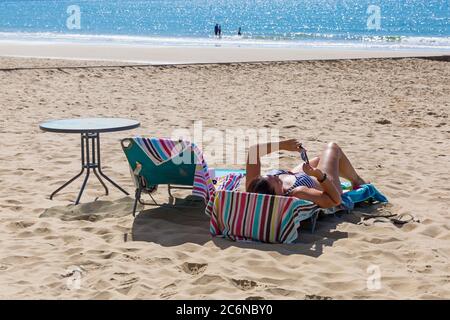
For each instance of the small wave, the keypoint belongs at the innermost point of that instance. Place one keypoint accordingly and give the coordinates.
(248, 40)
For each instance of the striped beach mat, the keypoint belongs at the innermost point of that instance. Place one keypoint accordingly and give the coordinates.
(258, 217)
(161, 150)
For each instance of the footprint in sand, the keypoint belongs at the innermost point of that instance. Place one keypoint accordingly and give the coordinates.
(20, 225)
(254, 298)
(3, 267)
(432, 231)
(194, 268)
(12, 201)
(316, 297)
(42, 231)
(383, 121)
(128, 282)
(244, 284)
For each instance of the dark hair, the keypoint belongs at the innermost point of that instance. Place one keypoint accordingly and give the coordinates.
(261, 185)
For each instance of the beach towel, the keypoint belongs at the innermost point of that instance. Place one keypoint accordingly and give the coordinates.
(258, 217)
(365, 192)
(229, 182)
(350, 197)
(161, 150)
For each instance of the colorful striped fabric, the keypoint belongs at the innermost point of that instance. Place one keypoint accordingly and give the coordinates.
(161, 150)
(203, 183)
(252, 216)
(230, 182)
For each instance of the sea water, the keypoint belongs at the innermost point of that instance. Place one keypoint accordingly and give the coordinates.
(274, 23)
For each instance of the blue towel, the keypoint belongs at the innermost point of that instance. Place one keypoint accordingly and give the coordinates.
(363, 193)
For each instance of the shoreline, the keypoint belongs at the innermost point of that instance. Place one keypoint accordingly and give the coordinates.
(156, 55)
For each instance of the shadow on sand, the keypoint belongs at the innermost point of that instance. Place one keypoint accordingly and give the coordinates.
(173, 226)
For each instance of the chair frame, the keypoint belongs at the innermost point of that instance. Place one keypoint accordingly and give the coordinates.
(142, 186)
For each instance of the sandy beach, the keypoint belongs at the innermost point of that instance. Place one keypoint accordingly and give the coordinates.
(389, 115)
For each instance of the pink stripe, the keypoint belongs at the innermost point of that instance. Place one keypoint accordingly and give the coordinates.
(234, 218)
(242, 213)
(220, 215)
(168, 149)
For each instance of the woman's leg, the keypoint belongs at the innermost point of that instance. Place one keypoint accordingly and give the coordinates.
(314, 162)
(344, 167)
(329, 163)
(347, 171)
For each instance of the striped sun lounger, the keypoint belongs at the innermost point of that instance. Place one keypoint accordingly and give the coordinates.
(243, 216)
(258, 217)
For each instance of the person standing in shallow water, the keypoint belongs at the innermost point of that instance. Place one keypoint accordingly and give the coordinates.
(220, 31)
(239, 32)
(216, 29)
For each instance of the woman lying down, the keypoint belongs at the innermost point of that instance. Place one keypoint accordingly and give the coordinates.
(316, 180)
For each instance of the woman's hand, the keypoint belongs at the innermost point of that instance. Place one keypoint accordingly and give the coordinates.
(290, 145)
(314, 172)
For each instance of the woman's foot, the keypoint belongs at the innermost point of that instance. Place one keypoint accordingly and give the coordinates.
(358, 182)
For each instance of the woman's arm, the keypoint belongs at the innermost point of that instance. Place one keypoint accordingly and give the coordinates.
(321, 198)
(255, 152)
(329, 197)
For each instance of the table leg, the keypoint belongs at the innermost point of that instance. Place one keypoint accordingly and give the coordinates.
(87, 166)
(100, 168)
(78, 175)
(97, 164)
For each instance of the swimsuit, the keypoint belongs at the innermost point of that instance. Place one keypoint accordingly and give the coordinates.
(301, 179)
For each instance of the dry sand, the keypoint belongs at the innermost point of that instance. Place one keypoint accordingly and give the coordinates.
(391, 116)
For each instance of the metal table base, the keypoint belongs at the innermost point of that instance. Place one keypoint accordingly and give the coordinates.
(90, 160)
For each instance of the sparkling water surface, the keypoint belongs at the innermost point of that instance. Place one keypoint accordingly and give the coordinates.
(285, 23)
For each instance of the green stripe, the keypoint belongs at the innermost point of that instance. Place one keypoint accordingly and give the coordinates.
(256, 221)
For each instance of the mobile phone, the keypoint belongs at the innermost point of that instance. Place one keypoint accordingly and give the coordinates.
(304, 156)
